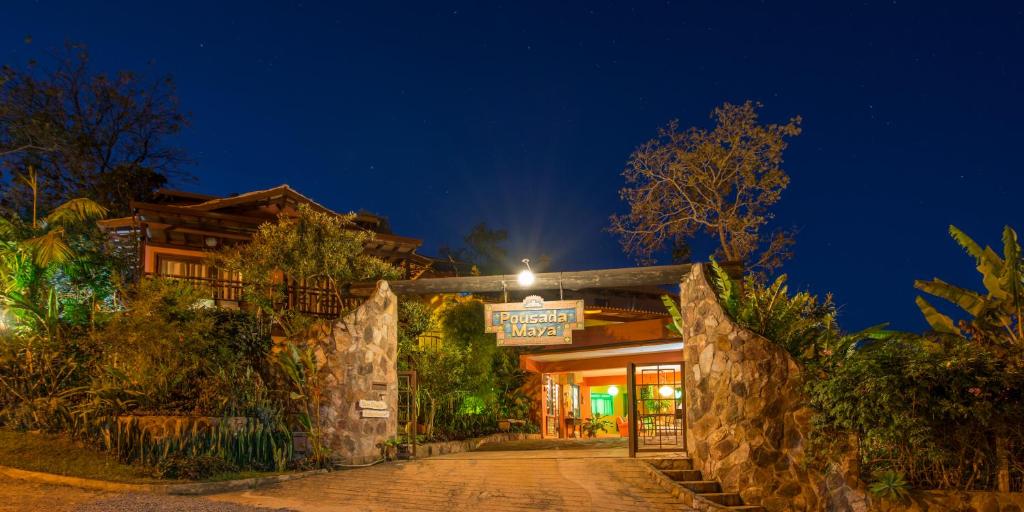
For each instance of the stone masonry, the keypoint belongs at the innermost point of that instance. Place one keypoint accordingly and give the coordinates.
(746, 416)
(358, 362)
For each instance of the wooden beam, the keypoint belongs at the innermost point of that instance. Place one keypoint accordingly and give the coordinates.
(609, 278)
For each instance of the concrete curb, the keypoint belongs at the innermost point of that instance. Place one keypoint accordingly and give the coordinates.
(197, 488)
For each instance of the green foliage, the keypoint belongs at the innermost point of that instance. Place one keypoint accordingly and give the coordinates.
(244, 443)
(799, 322)
(930, 408)
(40, 380)
(310, 248)
(995, 318)
(192, 467)
(167, 353)
(414, 318)
(676, 326)
(890, 485)
(595, 424)
(299, 366)
(466, 383)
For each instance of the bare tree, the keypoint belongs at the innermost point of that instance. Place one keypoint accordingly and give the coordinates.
(87, 134)
(722, 183)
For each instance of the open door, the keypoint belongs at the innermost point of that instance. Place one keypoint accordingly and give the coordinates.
(657, 411)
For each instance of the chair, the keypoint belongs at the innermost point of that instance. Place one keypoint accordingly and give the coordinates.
(623, 425)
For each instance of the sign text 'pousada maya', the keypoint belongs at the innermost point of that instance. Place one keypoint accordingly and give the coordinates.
(533, 321)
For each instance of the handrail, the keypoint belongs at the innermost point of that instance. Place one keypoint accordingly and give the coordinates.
(312, 300)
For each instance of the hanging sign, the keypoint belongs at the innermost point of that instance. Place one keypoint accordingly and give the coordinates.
(533, 321)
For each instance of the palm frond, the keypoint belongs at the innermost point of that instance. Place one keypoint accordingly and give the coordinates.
(938, 321)
(673, 310)
(1012, 278)
(967, 243)
(76, 211)
(966, 299)
(49, 248)
(7, 230)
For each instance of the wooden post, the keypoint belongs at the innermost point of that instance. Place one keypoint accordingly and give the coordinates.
(1002, 465)
(632, 412)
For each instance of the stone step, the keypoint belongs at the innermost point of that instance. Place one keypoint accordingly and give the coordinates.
(670, 463)
(680, 475)
(729, 499)
(702, 486)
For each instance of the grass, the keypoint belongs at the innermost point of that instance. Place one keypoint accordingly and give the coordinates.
(57, 454)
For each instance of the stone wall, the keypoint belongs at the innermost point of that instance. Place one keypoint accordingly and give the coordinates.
(466, 445)
(358, 362)
(746, 418)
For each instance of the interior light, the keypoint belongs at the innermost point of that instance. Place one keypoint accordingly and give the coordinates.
(613, 390)
(666, 391)
(526, 277)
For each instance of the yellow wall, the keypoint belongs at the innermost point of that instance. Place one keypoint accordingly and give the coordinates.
(618, 402)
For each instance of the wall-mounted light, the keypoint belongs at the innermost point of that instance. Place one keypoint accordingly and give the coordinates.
(526, 277)
(211, 241)
(613, 390)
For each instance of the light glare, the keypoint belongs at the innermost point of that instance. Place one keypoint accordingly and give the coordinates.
(525, 278)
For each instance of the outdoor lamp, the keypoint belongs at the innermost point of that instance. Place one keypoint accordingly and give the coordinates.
(613, 390)
(666, 391)
(526, 277)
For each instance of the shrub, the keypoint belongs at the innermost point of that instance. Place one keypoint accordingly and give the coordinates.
(168, 354)
(193, 467)
(799, 323)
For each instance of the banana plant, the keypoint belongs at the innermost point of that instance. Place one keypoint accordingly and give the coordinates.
(995, 314)
(676, 327)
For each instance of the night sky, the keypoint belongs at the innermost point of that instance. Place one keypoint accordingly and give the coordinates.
(441, 115)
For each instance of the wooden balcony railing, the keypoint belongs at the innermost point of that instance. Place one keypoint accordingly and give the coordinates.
(310, 300)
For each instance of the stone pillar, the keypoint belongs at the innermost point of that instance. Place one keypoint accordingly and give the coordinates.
(358, 362)
(746, 414)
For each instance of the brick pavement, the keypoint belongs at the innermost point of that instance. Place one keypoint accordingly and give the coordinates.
(477, 481)
(501, 479)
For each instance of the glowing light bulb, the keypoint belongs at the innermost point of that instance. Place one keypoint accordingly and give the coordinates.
(525, 278)
(613, 390)
(666, 391)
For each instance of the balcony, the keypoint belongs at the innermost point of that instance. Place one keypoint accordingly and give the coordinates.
(317, 301)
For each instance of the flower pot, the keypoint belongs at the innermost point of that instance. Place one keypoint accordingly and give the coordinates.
(504, 425)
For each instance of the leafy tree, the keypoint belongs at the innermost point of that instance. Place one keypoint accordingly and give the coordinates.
(88, 134)
(484, 248)
(310, 248)
(721, 182)
(996, 316)
(53, 266)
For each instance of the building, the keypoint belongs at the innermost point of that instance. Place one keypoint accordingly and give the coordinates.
(174, 234)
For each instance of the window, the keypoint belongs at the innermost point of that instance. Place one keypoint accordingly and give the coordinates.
(601, 403)
(180, 267)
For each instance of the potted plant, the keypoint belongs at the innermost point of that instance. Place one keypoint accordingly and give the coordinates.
(389, 448)
(592, 425)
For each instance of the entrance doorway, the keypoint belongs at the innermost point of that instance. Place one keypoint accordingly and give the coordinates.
(657, 408)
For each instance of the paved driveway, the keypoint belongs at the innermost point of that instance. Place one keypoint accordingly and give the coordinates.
(527, 475)
(507, 477)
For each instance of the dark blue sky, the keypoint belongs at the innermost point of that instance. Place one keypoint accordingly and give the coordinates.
(441, 115)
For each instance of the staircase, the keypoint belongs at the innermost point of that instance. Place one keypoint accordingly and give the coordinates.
(688, 484)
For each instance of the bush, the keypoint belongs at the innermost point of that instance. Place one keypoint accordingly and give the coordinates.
(193, 467)
(40, 380)
(929, 408)
(168, 354)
